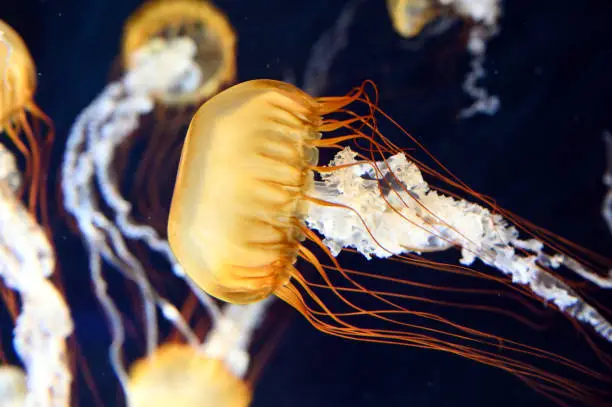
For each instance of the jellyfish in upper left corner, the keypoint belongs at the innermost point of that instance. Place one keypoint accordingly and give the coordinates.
(25, 130)
(41, 323)
(254, 214)
(414, 18)
(21, 118)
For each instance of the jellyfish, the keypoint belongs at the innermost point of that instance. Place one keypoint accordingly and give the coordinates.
(32, 290)
(411, 17)
(164, 67)
(21, 116)
(24, 128)
(199, 20)
(13, 388)
(251, 200)
(179, 375)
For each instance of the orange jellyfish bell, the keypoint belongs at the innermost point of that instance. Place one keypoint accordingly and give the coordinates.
(178, 375)
(13, 386)
(199, 20)
(20, 125)
(243, 171)
(409, 17)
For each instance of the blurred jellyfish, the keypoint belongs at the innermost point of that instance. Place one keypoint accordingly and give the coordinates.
(95, 135)
(208, 374)
(411, 17)
(24, 128)
(198, 20)
(21, 118)
(43, 323)
(246, 202)
(180, 375)
(13, 388)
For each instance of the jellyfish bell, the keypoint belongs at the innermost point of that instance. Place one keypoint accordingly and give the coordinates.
(13, 386)
(249, 183)
(204, 24)
(25, 130)
(41, 318)
(181, 375)
(409, 17)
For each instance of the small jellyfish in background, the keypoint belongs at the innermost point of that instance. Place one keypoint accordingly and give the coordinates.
(21, 118)
(208, 373)
(410, 18)
(13, 388)
(31, 288)
(606, 206)
(24, 128)
(198, 20)
(251, 200)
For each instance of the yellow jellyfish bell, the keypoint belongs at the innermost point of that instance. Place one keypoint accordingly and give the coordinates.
(251, 241)
(199, 20)
(18, 73)
(409, 17)
(177, 375)
(20, 123)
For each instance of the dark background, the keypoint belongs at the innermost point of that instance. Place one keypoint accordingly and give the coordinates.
(541, 156)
